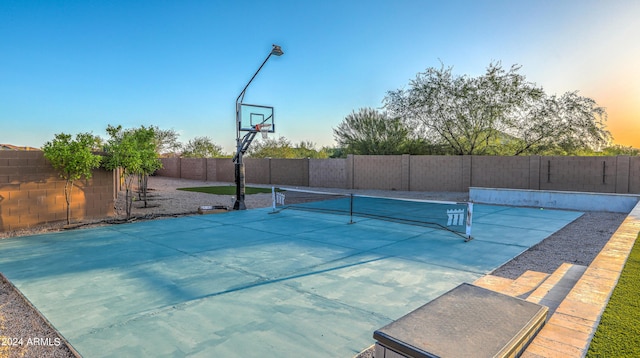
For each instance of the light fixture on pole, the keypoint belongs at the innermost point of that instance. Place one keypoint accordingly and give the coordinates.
(242, 142)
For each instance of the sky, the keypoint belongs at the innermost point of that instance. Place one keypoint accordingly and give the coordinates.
(77, 66)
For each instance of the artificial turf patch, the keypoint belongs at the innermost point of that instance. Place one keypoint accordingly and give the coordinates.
(618, 334)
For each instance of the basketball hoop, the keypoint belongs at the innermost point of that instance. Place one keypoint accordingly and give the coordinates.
(263, 129)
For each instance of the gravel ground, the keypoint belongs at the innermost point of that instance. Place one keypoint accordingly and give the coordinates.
(579, 243)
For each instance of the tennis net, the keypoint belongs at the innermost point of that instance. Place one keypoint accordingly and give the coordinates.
(455, 217)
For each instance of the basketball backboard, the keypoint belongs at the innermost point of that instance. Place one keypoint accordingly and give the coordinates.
(250, 115)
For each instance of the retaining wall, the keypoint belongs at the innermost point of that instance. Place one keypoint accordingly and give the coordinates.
(567, 200)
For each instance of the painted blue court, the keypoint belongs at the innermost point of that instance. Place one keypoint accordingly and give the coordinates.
(250, 283)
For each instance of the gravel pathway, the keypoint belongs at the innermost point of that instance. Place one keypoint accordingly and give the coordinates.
(579, 243)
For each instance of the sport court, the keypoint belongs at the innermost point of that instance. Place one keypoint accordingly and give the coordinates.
(252, 283)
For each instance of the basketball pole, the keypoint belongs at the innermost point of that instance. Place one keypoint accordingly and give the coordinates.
(239, 164)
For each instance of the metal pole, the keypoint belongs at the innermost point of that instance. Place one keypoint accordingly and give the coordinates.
(239, 165)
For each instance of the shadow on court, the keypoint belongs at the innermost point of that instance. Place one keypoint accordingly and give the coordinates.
(251, 283)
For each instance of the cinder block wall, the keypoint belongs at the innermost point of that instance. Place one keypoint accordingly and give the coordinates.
(426, 173)
(634, 175)
(328, 173)
(436, 173)
(257, 170)
(170, 167)
(225, 170)
(32, 193)
(193, 168)
(500, 172)
(293, 172)
(592, 174)
(382, 172)
(211, 169)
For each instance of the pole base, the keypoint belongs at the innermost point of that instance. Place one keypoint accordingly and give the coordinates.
(239, 205)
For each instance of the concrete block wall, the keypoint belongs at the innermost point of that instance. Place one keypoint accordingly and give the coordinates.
(590, 174)
(170, 167)
(500, 172)
(436, 173)
(211, 169)
(328, 173)
(257, 171)
(382, 172)
(32, 193)
(534, 172)
(634, 175)
(622, 173)
(193, 168)
(293, 172)
(225, 170)
(426, 173)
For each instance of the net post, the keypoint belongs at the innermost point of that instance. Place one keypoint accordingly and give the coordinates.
(469, 221)
(273, 198)
(351, 208)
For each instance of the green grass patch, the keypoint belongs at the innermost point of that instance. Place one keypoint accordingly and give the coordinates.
(226, 190)
(618, 334)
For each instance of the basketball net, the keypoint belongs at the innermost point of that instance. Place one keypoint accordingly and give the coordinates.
(263, 129)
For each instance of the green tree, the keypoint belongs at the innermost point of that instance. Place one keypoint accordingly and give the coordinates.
(369, 132)
(307, 149)
(283, 148)
(134, 152)
(166, 141)
(498, 112)
(148, 149)
(73, 159)
(201, 147)
(562, 125)
(620, 150)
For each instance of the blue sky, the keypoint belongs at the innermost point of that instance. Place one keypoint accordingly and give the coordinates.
(77, 66)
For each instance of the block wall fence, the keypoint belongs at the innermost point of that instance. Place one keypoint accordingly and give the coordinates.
(32, 193)
(619, 174)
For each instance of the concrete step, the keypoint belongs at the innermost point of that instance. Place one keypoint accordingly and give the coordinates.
(520, 287)
(555, 288)
(494, 283)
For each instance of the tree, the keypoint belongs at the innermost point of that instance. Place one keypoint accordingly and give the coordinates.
(561, 125)
(283, 148)
(621, 150)
(369, 131)
(497, 113)
(202, 147)
(134, 152)
(148, 151)
(73, 159)
(166, 141)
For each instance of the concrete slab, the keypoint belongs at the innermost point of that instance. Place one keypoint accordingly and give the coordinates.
(251, 283)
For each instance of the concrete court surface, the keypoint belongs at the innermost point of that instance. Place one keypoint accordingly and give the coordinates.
(250, 283)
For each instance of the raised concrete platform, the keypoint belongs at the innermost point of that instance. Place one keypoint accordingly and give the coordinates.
(468, 321)
(567, 200)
